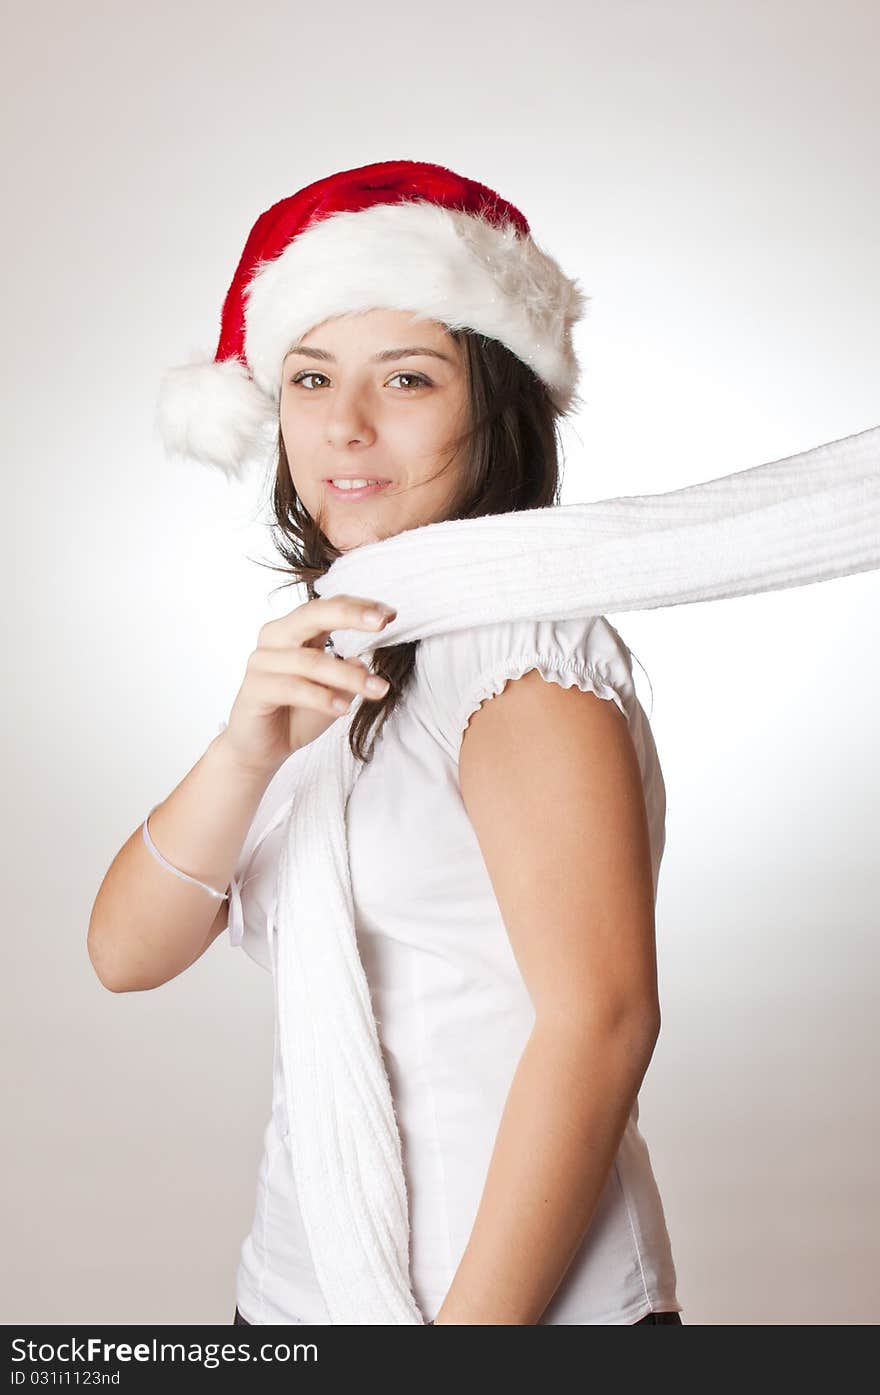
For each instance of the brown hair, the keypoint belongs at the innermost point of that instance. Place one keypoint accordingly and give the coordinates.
(512, 462)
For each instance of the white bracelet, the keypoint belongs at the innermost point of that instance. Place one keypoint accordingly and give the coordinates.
(220, 895)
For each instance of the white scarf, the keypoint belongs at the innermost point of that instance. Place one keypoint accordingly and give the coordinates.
(806, 518)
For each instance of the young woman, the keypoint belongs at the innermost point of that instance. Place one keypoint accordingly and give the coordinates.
(502, 857)
(447, 856)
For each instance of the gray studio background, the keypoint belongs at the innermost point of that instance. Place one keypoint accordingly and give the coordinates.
(708, 172)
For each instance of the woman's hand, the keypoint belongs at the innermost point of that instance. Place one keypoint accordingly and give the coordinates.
(291, 684)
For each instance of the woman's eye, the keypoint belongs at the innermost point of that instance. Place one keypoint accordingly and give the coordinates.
(416, 377)
(300, 377)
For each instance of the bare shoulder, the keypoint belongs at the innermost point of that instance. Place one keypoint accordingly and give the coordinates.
(550, 780)
(532, 719)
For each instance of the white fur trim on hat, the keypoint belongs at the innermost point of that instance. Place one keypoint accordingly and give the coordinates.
(437, 262)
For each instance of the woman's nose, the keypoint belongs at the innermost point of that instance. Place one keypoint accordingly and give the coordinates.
(349, 420)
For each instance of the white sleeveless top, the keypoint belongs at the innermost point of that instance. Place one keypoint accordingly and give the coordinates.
(452, 1010)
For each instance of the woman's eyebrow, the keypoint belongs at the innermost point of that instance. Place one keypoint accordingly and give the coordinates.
(383, 357)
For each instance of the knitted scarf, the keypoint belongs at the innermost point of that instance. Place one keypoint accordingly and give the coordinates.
(806, 518)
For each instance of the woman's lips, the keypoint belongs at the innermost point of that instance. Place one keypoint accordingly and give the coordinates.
(363, 492)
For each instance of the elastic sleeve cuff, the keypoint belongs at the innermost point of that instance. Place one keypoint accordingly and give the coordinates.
(588, 677)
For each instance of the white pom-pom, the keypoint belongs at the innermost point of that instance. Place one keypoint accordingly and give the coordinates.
(215, 413)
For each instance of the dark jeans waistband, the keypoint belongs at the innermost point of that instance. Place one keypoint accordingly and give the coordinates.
(652, 1318)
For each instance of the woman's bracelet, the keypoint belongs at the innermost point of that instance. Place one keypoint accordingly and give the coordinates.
(219, 895)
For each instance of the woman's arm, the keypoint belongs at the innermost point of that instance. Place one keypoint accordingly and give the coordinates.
(550, 780)
(147, 925)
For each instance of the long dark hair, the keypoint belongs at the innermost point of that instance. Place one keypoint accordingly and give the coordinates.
(512, 461)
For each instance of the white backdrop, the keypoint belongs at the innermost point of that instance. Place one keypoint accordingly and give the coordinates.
(708, 172)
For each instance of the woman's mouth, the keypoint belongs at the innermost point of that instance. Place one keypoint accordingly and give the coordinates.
(351, 489)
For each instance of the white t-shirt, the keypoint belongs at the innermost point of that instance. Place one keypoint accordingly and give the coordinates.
(452, 1010)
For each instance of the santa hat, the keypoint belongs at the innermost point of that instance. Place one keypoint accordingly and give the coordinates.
(401, 234)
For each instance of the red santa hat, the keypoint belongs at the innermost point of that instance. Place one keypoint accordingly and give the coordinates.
(401, 234)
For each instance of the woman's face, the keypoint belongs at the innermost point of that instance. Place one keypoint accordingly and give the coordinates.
(374, 396)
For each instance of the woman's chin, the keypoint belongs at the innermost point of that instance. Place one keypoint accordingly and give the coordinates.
(354, 535)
